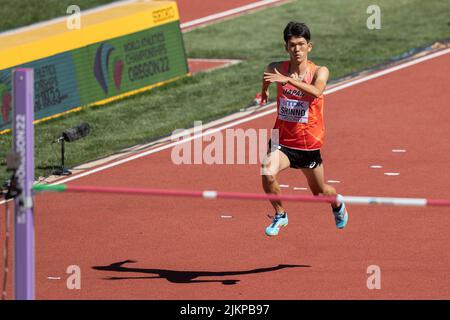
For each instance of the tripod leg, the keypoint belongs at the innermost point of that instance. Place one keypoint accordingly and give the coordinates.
(62, 171)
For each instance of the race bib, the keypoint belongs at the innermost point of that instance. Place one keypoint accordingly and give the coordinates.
(293, 110)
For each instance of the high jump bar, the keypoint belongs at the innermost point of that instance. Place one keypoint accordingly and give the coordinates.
(212, 194)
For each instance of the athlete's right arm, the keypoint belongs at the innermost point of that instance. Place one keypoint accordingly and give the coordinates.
(265, 84)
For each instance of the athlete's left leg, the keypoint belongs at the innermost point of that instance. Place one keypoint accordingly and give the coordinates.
(318, 186)
(316, 182)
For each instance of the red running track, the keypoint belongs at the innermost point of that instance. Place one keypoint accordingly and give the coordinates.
(195, 9)
(184, 249)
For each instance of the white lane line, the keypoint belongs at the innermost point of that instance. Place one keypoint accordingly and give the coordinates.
(376, 166)
(54, 278)
(226, 217)
(250, 118)
(333, 181)
(284, 186)
(387, 71)
(300, 188)
(227, 13)
(398, 150)
(391, 173)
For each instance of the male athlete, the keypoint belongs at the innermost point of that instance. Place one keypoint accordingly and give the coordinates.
(300, 86)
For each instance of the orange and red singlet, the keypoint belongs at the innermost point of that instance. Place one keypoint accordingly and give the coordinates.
(300, 116)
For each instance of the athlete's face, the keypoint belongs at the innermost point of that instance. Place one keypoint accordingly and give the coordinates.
(298, 48)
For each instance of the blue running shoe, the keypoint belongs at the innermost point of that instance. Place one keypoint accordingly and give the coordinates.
(341, 217)
(280, 220)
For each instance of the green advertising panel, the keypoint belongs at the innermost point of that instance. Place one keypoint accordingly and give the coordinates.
(100, 71)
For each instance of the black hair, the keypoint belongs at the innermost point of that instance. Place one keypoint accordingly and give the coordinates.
(296, 29)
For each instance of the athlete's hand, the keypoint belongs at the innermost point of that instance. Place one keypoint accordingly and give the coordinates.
(264, 98)
(275, 77)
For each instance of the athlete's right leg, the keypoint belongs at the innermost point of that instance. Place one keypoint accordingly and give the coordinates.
(274, 163)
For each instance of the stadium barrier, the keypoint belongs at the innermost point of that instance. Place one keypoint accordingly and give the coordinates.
(117, 51)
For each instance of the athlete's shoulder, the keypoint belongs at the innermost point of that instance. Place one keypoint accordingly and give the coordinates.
(321, 71)
(274, 65)
(317, 67)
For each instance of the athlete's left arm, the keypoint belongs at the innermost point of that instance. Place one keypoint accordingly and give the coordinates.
(315, 89)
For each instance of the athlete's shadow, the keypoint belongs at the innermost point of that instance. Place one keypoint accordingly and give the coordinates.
(186, 276)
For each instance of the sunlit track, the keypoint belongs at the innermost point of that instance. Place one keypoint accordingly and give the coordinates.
(144, 227)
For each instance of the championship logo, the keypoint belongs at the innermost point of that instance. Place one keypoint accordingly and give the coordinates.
(101, 67)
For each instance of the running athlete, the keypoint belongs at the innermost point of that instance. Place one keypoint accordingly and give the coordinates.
(300, 86)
